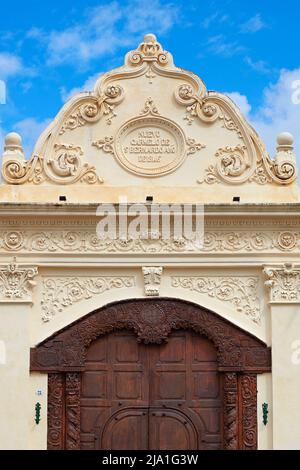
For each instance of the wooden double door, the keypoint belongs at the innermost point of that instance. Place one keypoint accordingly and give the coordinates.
(158, 396)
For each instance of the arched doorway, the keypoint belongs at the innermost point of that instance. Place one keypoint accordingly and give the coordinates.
(152, 374)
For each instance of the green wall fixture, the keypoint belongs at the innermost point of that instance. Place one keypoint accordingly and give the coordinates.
(37, 413)
(265, 411)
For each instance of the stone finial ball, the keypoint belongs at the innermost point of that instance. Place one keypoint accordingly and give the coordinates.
(150, 38)
(285, 138)
(13, 140)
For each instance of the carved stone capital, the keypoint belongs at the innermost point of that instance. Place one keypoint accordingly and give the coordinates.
(16, 282)
(283, 282)
(152, 279)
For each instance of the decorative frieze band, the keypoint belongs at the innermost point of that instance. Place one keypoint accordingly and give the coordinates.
(60, 293)
(283, 283)
(241, 292)
(16, 282)
(86, 241)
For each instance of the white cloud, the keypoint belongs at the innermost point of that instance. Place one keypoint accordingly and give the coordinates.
(253, 25)
(105, 29)
(87, 86)
(215, 18)
(30, 129)
(277, 112)
(259, 66)
(218, 45)
(9, 65)
(241, 101)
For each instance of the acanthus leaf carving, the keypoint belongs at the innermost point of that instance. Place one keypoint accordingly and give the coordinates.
(210, 107)
(66, 167)
(85, 240)
(94, 108)
(241, 292)
(105, 144)
(232, 166)
(193, 146)
(31, 171)
(152, 279)
(283, 283)
(16, 282)
(196, 105)
(60, 293)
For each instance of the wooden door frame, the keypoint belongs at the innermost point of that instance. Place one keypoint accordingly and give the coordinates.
(240, 355)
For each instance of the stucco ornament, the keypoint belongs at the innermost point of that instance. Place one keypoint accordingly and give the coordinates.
(94, 108)
(283, 282)
(66, 166)
(233, 162)
(48, 237)
(152, 279)
(62, 292)
(16, 282)
(149, 144)
(241, 292)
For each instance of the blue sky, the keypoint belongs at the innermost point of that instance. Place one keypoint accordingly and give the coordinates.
(250, 50)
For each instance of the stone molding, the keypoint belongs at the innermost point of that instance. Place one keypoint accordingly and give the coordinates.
(47, 238)
(17, 282)
(283, 283)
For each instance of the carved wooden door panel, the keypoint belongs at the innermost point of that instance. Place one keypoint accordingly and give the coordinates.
(184, 377)
(113, 392)
(115, 379)
(137, 396)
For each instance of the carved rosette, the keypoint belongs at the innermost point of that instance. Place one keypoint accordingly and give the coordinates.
(56, 411)
(283, 281)
(16, 282)
(230, 411)
(256, 239)
(73, 387)
(248, 393)
(152, 279)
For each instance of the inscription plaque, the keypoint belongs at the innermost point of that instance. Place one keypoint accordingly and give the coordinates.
(150, 146)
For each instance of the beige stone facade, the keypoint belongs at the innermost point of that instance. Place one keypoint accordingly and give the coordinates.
(151, 133)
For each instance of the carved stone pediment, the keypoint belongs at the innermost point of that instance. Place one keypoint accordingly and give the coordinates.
(103, 137)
